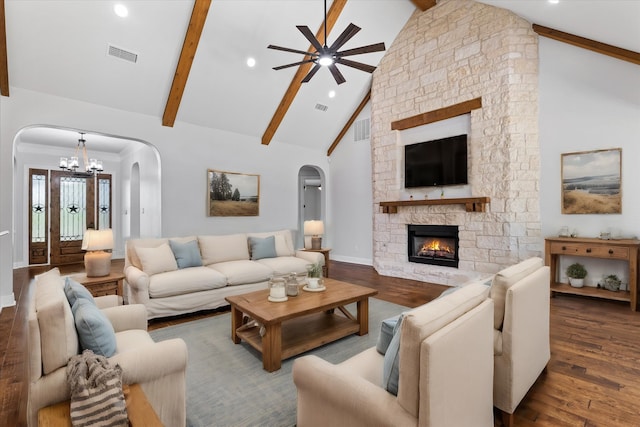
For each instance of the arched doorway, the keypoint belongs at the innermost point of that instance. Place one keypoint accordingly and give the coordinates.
(312, 198)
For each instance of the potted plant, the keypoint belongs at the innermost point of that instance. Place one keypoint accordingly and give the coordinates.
(314, 273)
(576, 273)
(612, 283)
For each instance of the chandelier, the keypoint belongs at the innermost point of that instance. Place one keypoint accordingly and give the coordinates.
(71, 164)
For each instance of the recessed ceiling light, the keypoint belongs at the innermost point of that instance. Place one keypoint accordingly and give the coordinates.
(554, 1)
(251, 62)
(332, 94)
(121, 10)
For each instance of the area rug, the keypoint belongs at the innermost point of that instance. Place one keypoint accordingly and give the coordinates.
(226, 385)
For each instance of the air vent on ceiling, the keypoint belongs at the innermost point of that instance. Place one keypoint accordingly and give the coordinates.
(321, 107)
(362, 129)
(122, 54)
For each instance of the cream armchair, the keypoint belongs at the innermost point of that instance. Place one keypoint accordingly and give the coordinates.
(521, 332)
(52, 340)
(445, 372)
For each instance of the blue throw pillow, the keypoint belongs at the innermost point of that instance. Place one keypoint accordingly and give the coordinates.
(391, 365)
(186, 254)
(75, 291)
(386, 333)
(95, 332)
(262, 247)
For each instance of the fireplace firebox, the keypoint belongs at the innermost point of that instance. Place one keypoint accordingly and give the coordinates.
(433, 244)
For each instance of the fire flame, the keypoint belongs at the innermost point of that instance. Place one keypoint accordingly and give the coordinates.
(436, 246)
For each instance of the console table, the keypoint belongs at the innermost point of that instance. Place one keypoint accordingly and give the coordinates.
(620, 249)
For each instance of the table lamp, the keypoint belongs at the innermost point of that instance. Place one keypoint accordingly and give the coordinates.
(98, 244)
(314, 228)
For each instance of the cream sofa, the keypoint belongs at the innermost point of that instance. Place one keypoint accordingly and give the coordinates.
(52, 339)
(445, 372)
(221, 265)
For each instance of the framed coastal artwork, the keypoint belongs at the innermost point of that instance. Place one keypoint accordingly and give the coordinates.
(592, 182)
(232, 194)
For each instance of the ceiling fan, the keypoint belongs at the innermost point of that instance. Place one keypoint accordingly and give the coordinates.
(330, 56)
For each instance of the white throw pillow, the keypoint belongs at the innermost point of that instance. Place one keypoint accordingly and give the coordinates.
(157, 260)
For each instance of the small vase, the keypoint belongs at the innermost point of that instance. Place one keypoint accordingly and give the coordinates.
(576, 283)
(313, 282)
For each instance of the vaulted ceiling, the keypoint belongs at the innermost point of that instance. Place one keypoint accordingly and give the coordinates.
(61, 48)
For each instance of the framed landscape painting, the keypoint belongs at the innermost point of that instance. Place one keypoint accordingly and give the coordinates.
(592, 182)
(232, 194)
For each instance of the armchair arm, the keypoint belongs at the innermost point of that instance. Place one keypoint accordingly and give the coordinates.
(138, 283)
(107, 301)
(332, 395)
(125, 317)
(312, 257)
(153, 361)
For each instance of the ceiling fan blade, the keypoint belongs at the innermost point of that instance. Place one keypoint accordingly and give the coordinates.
(286, 49)
(337, 74)
(346, 35)
(293, 64)
(311, 73)
(309, 35)
(358, 65)
(377, 47)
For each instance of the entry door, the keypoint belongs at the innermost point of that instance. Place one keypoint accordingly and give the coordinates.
(72, 212)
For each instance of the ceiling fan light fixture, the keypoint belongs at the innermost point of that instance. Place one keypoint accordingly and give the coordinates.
(325, 60)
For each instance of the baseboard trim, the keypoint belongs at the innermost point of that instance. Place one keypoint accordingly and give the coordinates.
(352, 260)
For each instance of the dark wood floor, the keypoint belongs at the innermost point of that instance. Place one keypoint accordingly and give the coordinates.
(593, 377)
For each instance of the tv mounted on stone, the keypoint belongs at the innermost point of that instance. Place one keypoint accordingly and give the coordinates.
(436, 163)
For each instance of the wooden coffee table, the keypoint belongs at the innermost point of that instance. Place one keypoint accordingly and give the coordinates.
(302, 323)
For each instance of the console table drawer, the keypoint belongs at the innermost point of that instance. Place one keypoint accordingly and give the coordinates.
(614, 252)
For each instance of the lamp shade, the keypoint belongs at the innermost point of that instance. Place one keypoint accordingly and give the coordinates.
(313, 228)
(97, 240)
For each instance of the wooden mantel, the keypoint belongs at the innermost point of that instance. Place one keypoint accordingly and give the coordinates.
(472, 204)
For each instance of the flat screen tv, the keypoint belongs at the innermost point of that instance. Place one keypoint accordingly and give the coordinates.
(436, 163)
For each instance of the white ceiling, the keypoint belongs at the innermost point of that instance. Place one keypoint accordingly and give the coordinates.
(59, 47)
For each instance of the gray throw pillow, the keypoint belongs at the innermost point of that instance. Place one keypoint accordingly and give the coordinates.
(386, 333)
(391, 365)
(262, 247)
(187, 254)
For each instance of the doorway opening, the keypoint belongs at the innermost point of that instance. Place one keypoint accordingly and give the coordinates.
(312, 200)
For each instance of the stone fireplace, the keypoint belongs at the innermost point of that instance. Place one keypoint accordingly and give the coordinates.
(450, 54)
(433, 244)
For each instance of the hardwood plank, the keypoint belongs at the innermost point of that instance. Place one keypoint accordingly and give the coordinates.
(189, 48)
(592, 45)
(332, 16)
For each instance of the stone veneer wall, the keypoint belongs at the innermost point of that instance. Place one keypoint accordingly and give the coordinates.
(457, 51)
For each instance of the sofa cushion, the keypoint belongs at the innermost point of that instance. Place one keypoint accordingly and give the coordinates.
(74, 291)
(185, 281)
(243, 272)
(506, 278)
(420, 323)
(283, 239)
(285, 265)
(58, 338)
(187, 254)
(262, 247)
(157, 260)
(232, 247)
(94, 329)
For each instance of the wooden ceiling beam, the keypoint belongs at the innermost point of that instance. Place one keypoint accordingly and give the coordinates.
(595, 46)
(296, 82)
(189, 48)
(352, 119)
(424, 4)
(4, 63)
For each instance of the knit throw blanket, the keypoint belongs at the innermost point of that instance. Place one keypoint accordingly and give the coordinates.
(96, 391)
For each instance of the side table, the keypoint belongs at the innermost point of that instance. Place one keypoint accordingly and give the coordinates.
(105, 285)
(325, 252)
(139, 410)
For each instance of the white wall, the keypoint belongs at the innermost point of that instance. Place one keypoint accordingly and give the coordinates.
(588, 101)
(351, 199)
(186, 153)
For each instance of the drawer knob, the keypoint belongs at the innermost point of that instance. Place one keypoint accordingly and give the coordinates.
(588, 250)
(610, 251)
(564, 248)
